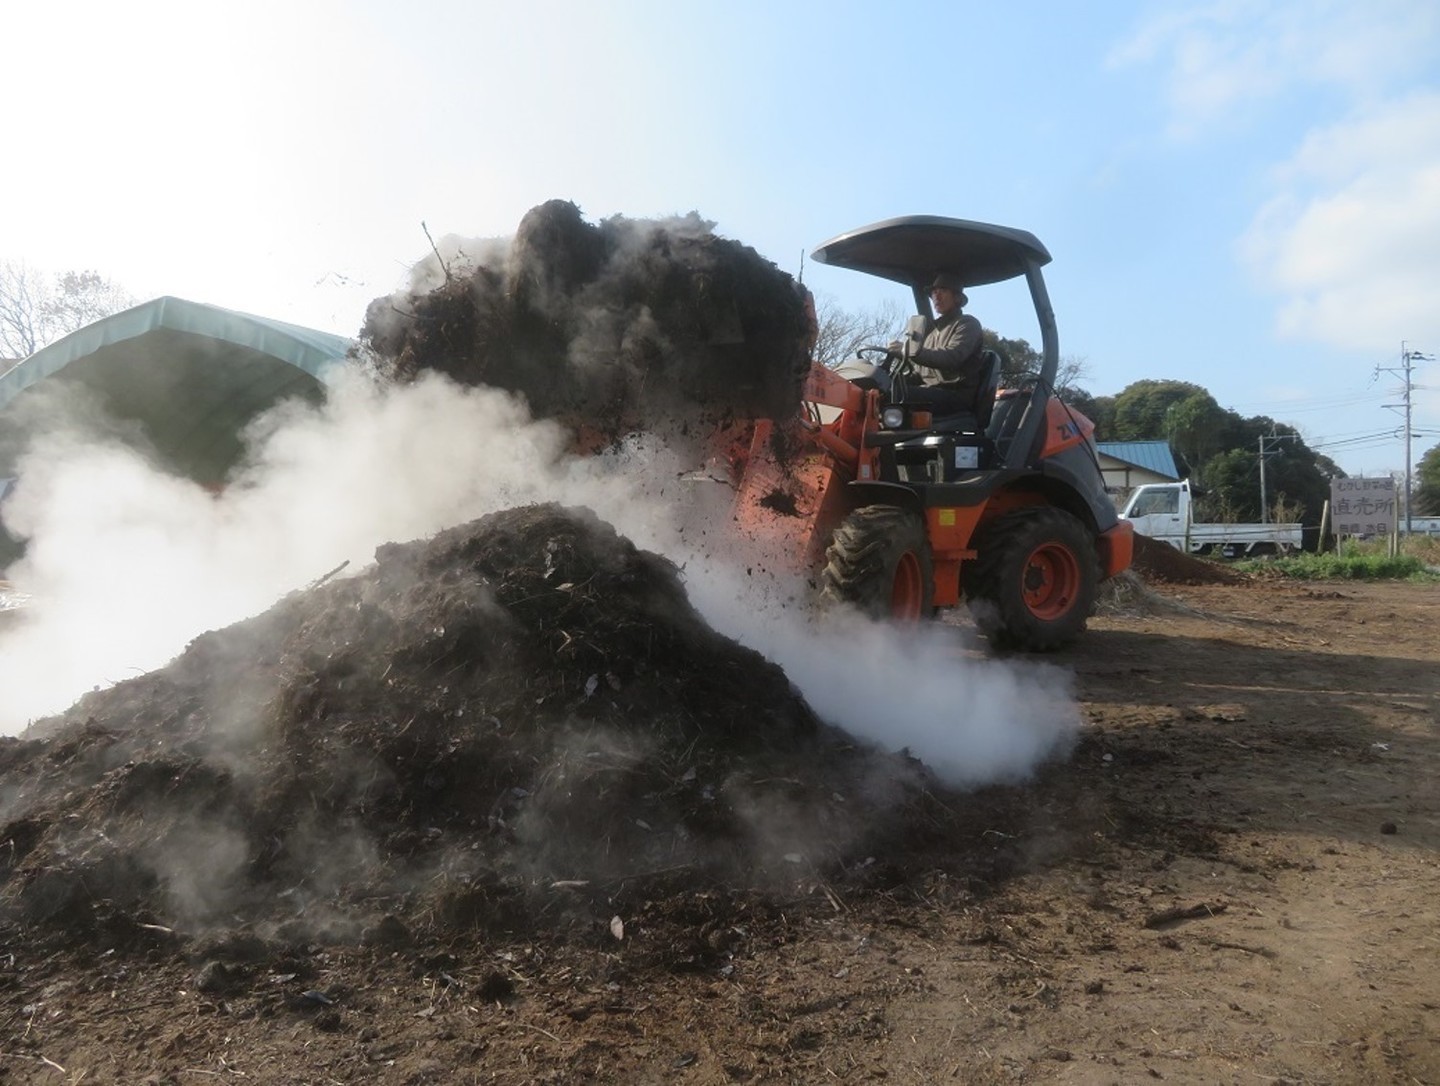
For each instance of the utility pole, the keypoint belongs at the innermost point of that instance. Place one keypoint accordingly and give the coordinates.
(1408, 358)
(1265, 453)
(1264, 502)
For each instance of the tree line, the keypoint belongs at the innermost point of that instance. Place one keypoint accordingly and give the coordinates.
(1219, 450)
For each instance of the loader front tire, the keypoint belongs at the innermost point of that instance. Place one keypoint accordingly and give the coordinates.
(879, 562)
(1032, 585)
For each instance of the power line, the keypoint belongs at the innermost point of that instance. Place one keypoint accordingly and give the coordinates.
(1301, 407)
(1377, 437)
(1311, 403)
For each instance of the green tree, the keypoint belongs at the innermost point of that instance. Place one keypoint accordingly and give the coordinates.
(1017, 358)
(1220, 452)
(1425, 492)
(1233, 491)
(1098, 409)
(1327, 468)
(1295, 480)
(1196, 428)
(1140, 408)
(1292, 474)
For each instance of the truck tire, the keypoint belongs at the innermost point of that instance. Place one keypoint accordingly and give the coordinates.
(879, 561)
(1032, 585)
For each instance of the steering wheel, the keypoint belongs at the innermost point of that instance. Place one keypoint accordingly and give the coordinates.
(888, 360)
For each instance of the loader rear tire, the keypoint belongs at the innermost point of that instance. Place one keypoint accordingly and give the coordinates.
(1032, 585)
(879, 562)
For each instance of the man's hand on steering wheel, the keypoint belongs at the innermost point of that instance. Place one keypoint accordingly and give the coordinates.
(898, 356)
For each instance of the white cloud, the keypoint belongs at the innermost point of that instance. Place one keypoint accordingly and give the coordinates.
(1346, 238)
(1350, 240)
(1227, 56)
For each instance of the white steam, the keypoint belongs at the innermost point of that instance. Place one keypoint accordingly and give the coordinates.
(972, 720)
(126, 565)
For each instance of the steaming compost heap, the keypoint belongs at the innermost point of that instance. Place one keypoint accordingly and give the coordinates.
(517, 700)
(658, 325)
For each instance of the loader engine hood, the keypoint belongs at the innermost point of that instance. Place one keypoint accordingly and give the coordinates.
(911, 249)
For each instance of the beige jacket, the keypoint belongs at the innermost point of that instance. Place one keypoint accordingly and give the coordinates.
(951, 351)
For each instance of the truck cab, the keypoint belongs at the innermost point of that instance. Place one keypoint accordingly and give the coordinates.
(1159, 510)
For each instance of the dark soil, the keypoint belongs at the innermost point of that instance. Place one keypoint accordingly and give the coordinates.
(1231, 878)
(606, 326)
(431, 745)
(1161, 563)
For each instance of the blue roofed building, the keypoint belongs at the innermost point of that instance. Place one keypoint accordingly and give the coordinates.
(1128, 464)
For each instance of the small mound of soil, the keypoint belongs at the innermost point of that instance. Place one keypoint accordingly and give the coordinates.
(1157, 561)
(518, 700)
(628, 324)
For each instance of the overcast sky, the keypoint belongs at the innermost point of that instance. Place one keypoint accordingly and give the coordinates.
(1245, 195)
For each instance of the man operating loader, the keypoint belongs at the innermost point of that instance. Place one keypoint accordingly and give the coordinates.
(947, 363)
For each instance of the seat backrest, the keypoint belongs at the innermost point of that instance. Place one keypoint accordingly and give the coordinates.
(971, 416)
(990, 367)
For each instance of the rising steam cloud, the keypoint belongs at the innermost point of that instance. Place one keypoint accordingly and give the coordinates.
(127, 564)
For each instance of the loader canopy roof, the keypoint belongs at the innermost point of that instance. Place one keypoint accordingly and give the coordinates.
(188, 377)
(912, 249)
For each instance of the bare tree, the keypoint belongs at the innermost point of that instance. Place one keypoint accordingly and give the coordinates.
(36, 310)
(1074, 368)
(842, 331)
(20, 293)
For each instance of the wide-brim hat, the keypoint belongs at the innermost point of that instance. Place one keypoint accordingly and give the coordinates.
(946, 281)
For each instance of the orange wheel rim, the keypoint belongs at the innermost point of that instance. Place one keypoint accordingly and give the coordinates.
(907, 589)
(1050, 581)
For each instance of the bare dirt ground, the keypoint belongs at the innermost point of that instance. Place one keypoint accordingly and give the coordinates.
(1232, 878)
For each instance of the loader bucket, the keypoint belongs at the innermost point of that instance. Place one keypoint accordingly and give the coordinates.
(788, 497)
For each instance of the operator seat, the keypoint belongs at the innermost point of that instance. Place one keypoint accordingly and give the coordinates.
(976, 418)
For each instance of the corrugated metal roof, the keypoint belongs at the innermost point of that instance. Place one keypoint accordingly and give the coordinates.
(310, 350)
(1151, 455)
(192, 375)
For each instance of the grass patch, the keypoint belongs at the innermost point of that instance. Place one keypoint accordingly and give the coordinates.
(1356, 562)
(1424, 547)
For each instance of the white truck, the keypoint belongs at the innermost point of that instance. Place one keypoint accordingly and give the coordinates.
(1163, 511)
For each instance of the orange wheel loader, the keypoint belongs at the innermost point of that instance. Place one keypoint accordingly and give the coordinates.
(900, 512)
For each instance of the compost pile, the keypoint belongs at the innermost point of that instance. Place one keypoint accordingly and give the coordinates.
(518, 702)
(628, 324)
(1161, 563)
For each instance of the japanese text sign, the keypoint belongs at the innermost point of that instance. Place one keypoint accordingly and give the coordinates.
(1363, 506)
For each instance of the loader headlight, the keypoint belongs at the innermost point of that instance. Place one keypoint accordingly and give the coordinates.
(892, 418)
